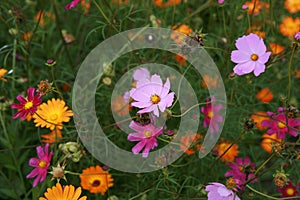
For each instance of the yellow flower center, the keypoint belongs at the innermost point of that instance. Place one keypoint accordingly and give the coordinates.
(53, 117)
(281, 125)
(28, 105)
(230, 183)
(241, 168)
(155, 99)
(254, 57)
(147, 134)
(42, 164)
(210, 114)
(290, 191)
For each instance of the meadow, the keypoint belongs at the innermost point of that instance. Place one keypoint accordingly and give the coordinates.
(149, 99)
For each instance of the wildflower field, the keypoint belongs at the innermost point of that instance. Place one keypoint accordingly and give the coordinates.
(149, 99)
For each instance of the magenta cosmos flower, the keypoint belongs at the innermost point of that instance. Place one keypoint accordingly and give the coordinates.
(279, 124)
(41, 164)
(250, 56)
(152, 95)
(242, 170)
(212, 118)
(218, 191)
(72, 4)
(297, 36)
(146, 135)
(28, 105)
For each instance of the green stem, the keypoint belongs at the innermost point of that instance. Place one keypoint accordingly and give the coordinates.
(270, 197)
(188, 110)
(290, 72)
(14, 63)
(224, 22)
(55, 84)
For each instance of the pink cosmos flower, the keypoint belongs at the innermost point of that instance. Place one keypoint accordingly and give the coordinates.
(72, 4)
(28, 105)
(41, 164)
(250, 56)
(297, 36)
(242, 170)
(218, 191)
(152, 95)
(210, 110)
(146, 135)
(280, 124)
(141, 74)
(221, 2)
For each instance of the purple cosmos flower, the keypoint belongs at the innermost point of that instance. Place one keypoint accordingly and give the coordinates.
(242, 170)
(297, 36)
(41, 164)
(152, 95)
(72, 4)
(210, 110)
(141, 74)
(28, 105)
(280, 124)
(218, 191)
(250, 56)
(146, 135)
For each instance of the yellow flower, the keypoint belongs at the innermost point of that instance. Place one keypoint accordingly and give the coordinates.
(230, 154)
(289, 26)
(2, 73)
(52, 114)
(53, 136)
(68, 193)
(96, 180)
(276, 48)
(293, 6)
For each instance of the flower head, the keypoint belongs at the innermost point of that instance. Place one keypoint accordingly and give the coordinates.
(293, 6)
(212, 118)
(258, 117)
(289, 190)
(297, 36)
(41, 164)
(2, 73)
(289, 26)
(268, 142)
(52, 114)
(250, 56)
(242, 170)
(96, 180)
(146, 135)
(218, 191)
(27, 105)
(71, 5)
(255, 6)
(191, 143)
(230, 155)
(66, 193)
(265, 95)
(152, 95)
(280, 124)
(276, 48)
(163, 4)
(53, 136)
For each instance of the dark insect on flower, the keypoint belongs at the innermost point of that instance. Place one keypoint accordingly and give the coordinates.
(195, 39)
(249, 124)
(144, 118)
(292, 112)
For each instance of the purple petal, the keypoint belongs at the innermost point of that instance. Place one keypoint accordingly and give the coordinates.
(253, 40)
(261, 47)
(241, 44)
(141, 74)
(140, 104)
(156, 79)
(33, 173)
(72, 4)
(40, 152)
(169, 99)
(21, 99)
(264, 58)
(238, 69)
(138, 147)
(36, 180)
(249, 67)
(135, 137)
(33, 162)
(148, 109)
(30, 92)
(259, 68)
(239, 56)
(136, 126)
(224, 192)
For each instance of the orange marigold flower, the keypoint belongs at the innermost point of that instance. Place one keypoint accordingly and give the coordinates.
(209, 81)
(42, 16)
(181, 59)
(52, 114)
(265, 95)
(2, 73)
(162, 4)
(290, 26)
(276, 48)
(66, 193)
(268, 142)
(120, 2)
(255, 6)
(230, 155)
(297, 73)
(53, 136)
(183, 28)
(293, 6)
(96, 180)
(190, 143)
(258, 117)
(120, 107)
(27, 36)
(85, 4)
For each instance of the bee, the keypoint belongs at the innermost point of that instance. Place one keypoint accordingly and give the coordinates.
(195, 39)
(144, 119)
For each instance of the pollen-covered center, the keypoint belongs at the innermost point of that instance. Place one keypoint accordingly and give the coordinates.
(42, 164)
(28, 105)
(230, 183)
(96, 183)
(155, 99)
(281, 125)
(147, 134)
(254, 57)
(290, 192)
(53, 117)
(210, 114)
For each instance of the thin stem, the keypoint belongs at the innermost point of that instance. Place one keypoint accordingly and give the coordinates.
(14, 63)
(55, 84)
(290, 72)
(200, 9)
(188, 110)
(270, 197)
(224, 22)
